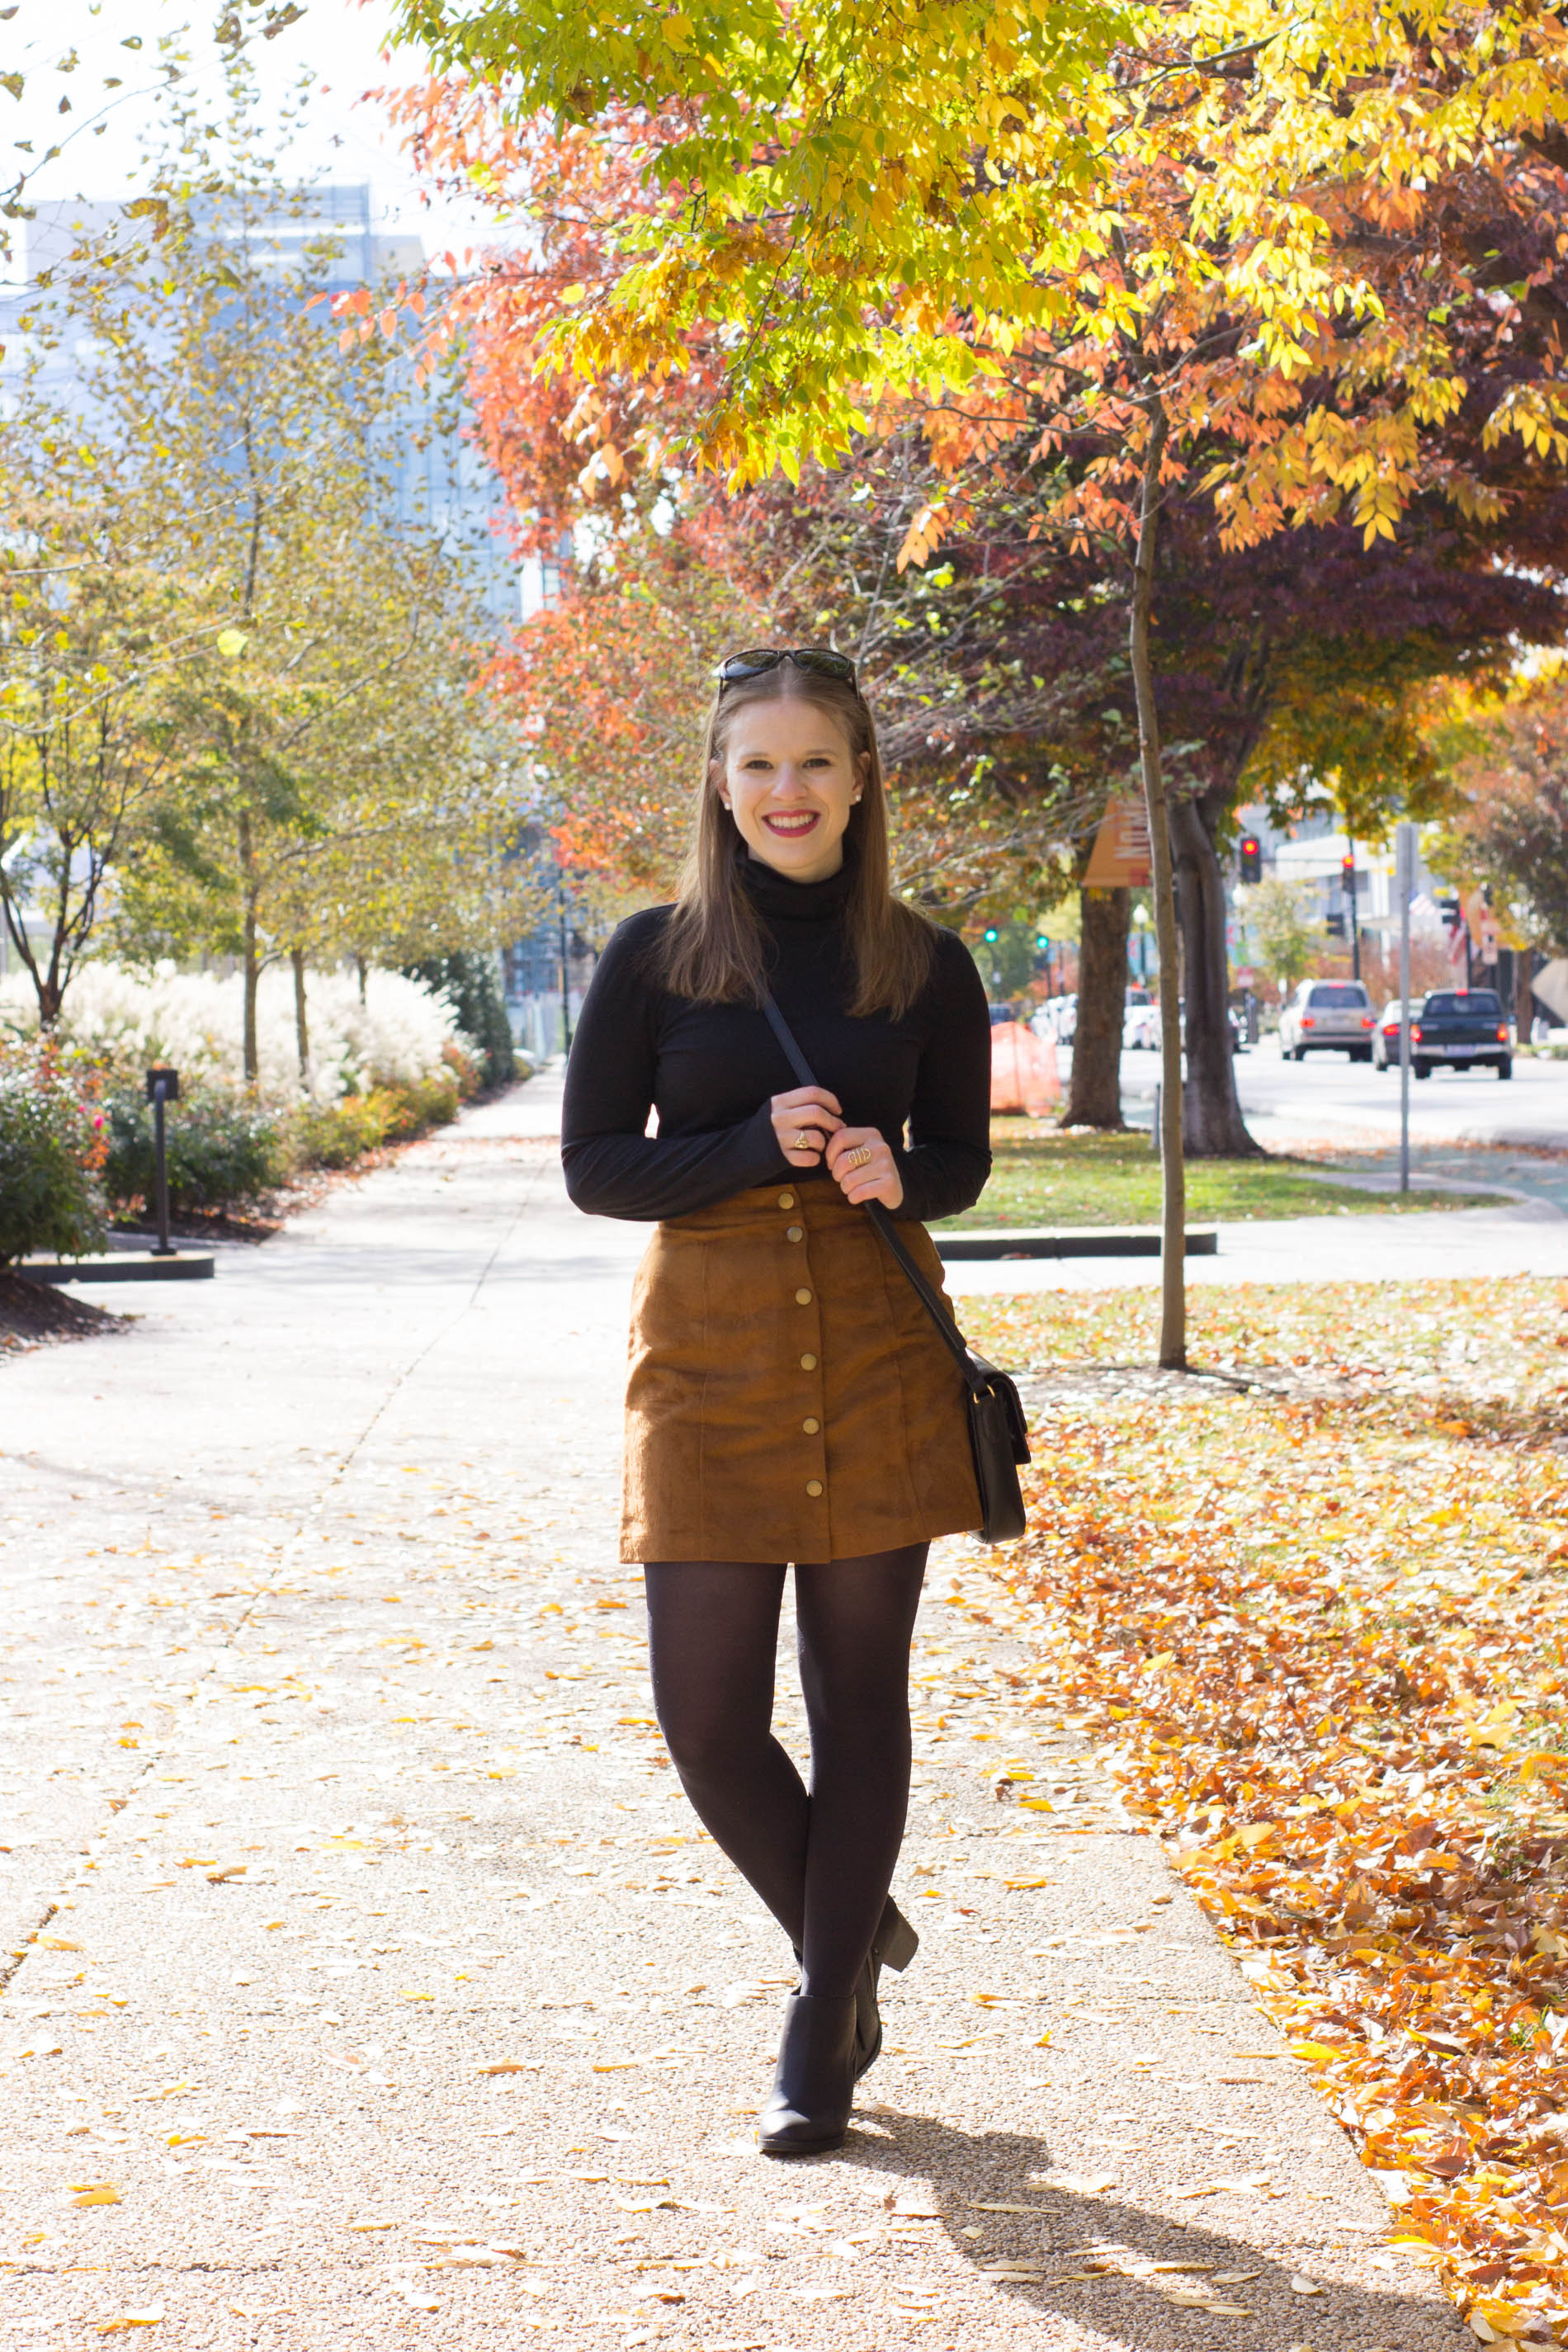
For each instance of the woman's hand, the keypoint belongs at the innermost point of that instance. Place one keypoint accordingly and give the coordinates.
(806, 1112)
(874, 1177)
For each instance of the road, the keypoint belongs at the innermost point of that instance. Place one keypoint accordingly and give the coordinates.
(369, 1985)
(1329, 1099)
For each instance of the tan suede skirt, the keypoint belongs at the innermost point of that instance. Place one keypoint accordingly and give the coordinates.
(788, 1398)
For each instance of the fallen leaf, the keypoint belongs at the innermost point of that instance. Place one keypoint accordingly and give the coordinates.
(1300, 2284)
(86, 2192)
(127, 2319)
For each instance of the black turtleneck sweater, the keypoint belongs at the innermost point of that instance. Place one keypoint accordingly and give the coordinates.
(711, 1070)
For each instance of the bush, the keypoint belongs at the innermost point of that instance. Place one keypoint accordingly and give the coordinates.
(51, 1142)
(397, 1036)
(334, 1135)
(471, 988)
(222, 1153)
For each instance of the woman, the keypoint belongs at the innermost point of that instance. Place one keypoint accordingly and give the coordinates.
(789, 1402)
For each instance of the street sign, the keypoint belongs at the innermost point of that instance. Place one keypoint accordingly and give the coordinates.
(1120, 858)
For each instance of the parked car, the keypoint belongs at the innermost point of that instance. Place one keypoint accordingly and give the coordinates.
(1328, 1016)
(1141, 1028)
(1463, 1028)
(1385, 1037)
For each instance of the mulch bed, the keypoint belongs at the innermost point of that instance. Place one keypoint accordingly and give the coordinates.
(38, 1314)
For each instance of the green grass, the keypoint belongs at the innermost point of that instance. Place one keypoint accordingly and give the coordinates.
(1039, 1177)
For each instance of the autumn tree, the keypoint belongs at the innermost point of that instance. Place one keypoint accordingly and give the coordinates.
(92, 639)
(1509, 829)
(1204, 239)
(341, 784)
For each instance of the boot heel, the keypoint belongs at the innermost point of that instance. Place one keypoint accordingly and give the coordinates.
(901, 1945)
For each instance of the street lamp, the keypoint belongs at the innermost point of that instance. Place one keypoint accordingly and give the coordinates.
(162, 1086)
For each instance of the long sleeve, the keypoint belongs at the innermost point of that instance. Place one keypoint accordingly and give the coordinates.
(948, 1158)
(613, 1166)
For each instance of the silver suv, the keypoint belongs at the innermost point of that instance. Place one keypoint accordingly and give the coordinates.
(1328, 1015)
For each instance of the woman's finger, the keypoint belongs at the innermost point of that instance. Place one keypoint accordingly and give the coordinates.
(853, 1139)
(798, 1097)
(811, 1121)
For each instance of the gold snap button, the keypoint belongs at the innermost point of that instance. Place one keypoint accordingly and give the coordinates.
(810, 1424)
(803, 1299)
(794, 1233)
(814, 1485)
(808, 1363)
(786, 1200)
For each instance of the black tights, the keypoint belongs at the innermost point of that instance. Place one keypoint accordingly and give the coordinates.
(821, 1863)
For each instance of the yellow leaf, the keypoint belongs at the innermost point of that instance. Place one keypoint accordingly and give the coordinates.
(95, 2193)
(149, 2318)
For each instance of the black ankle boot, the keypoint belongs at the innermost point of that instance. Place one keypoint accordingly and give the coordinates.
(893, 1946)
(813, 2085)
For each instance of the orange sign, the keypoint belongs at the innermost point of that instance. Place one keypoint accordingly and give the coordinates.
(1121, 860)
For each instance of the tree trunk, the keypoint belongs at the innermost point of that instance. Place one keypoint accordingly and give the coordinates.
(302, 1025)
(1211, 1124)
(1174, 1184)
(1095, 1096)
(252, 959)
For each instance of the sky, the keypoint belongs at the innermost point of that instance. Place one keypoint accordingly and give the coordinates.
(338, 44)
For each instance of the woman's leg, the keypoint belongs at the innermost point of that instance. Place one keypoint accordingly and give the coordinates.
(714, 1629)
(856, 1618)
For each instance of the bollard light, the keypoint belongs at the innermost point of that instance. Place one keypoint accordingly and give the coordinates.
(162, 1086)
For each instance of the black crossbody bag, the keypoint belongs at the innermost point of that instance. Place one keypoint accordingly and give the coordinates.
(998, 1435)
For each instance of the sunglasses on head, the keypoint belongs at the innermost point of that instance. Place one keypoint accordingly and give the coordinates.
(820, 661)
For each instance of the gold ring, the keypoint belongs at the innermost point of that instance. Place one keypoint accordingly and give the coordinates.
(858, 1157)
(804, 1141)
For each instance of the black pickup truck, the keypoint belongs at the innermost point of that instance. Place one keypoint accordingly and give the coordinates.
(1461, 1028)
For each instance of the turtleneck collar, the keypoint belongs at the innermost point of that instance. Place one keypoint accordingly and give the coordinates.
(779, 899)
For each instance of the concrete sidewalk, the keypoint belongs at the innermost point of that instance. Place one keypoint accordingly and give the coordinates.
(372, 1984)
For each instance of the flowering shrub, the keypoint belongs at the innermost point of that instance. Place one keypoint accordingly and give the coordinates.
(399, 1036)
(380, 1071)
(52, 1145)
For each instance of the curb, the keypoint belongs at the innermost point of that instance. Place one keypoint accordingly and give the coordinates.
(1069, 1241)
(122, 1266)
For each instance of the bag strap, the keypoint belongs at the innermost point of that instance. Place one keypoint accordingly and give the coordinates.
(970, 1365)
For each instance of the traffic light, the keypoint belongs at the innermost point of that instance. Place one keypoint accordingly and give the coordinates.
(992, 936)
(1042, 942)
(1251, 858)
(1347, 877)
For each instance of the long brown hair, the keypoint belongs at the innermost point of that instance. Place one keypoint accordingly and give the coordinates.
(714, 947)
